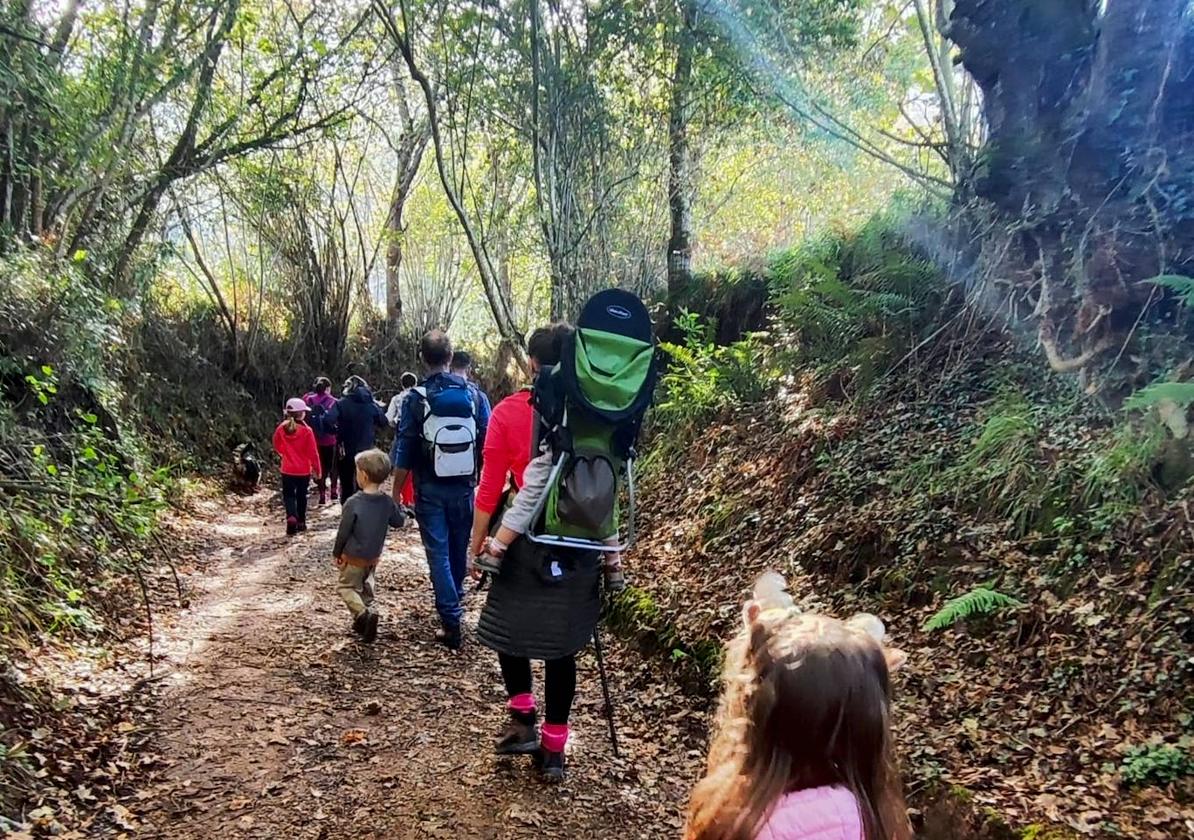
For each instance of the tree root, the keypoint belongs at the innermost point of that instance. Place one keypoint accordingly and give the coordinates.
(1060, 363)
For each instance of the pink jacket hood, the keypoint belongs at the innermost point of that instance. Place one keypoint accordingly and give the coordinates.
(824, 813)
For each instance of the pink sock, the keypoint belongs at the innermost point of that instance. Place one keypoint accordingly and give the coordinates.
(522, 703)
(554, 736)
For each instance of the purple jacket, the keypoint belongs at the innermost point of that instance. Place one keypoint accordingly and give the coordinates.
(327, 402)
(824, 813)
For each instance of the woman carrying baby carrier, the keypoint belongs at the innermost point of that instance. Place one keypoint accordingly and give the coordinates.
(545, 600)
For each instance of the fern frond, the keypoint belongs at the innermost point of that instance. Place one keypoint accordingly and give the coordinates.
(1181, 285)
(981, 600)
(1180, 393)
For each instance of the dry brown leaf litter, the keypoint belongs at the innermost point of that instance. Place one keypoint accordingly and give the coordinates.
(1031, 715)
(276, 722)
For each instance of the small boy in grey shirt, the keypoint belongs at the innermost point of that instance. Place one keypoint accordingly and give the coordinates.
(365, 520)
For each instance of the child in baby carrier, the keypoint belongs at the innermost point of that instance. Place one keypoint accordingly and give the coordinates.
(589, 409)
(519, 516)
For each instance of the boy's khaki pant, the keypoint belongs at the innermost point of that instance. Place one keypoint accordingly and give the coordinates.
(356, 586)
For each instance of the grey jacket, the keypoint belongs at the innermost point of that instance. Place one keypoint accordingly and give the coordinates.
(364, 523)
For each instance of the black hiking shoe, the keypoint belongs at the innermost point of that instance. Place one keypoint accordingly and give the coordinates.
(550, 765)
(520, 737)
(452, 638)
(358, 624)
(302, 525)
(369, 628)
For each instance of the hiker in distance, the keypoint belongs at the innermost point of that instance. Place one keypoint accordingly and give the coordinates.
(394, 410)
(320, 400)
(438, 440)
(393, 413)
(592, 385)
(294, 441)
(462, 366)
(356, 417)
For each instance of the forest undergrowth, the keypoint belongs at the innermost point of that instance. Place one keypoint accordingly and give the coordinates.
(1031, 548)
(867, 433)
(110, 408)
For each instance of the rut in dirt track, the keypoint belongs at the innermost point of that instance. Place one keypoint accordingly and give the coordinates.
(276, 722)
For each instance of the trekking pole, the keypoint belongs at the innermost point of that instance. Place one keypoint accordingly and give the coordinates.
(609, 705)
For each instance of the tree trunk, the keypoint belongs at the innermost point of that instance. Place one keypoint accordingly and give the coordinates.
(1090, 151)
(181, 161)
(499, 305)
(680, 187)
(394, 228)
(410, 156)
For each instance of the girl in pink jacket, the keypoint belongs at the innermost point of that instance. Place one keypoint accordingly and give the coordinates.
(803, 749)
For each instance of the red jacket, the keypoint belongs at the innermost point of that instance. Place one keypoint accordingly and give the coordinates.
(507, 449)
(300, 455)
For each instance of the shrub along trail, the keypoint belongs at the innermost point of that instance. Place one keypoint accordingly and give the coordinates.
(276, 722)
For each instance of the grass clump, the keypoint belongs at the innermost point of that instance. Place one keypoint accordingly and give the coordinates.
(1001, 473)
(1119, 473)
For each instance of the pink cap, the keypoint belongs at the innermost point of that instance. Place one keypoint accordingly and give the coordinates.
(295, 405)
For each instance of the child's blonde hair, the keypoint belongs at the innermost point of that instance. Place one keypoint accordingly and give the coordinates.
(292, 421)
(805, 705)
(375, 464)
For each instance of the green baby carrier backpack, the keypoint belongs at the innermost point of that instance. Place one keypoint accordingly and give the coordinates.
(590, 408)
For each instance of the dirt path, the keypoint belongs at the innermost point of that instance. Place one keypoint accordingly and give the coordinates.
(276, 722)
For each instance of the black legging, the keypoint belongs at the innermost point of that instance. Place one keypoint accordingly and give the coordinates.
(327, 466)
(347, 466)
(294, 496)
(559, 683)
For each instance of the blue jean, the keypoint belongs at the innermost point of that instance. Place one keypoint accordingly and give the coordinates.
(445, 516)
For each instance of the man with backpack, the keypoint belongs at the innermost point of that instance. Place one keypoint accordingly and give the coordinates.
(439, 433)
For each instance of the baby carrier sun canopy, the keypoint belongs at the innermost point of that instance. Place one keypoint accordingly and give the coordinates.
(608, 367)
(590, 408)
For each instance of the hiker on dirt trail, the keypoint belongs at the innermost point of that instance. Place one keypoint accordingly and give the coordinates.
(321, 401)
(526, 616)
(803, 749)
(508, 439)
(295, 444)
(356, 417)
(393, 413)
(394, 410)
(462, 366)
(438, 440)
(365, 522)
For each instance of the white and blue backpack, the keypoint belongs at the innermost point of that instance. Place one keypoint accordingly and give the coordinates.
(449, 430)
